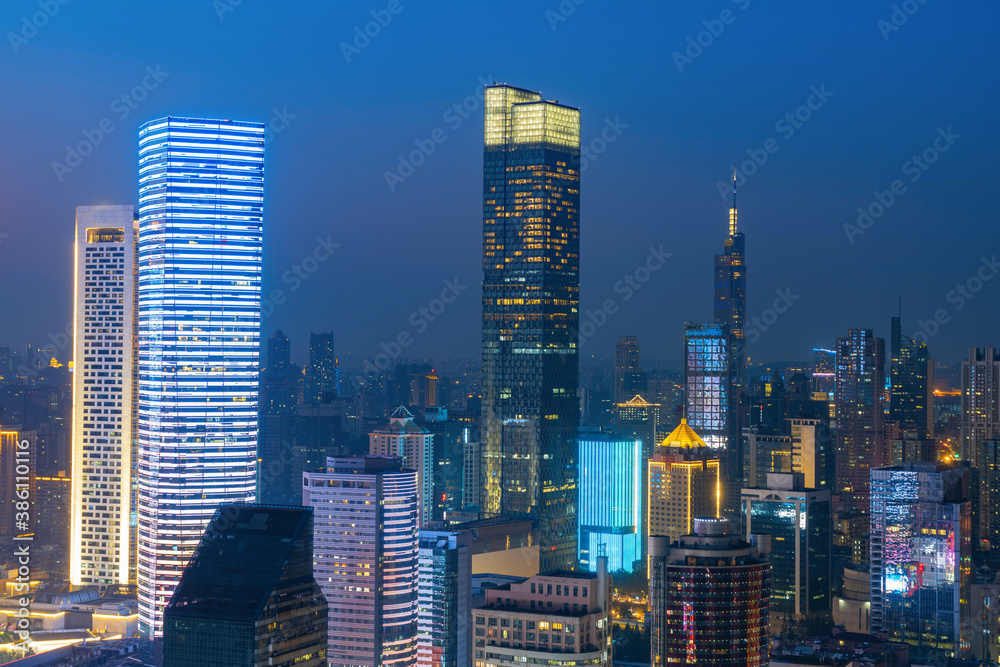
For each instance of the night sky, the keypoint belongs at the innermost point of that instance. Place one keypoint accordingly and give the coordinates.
(677, 124)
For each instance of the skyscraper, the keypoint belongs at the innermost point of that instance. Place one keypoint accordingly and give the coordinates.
(708, 404)
(910, 391)
(980, 400)
(365, 558)
(444, 599)
(684, 483)
(626, 363)
(921, 557)
(248, 596)
(799, 521)
(201, 197)
(102, 542)
(610, 511)
(979, 431)
(860, 378)
(531, 284)
(414, 444)
(709, 595)
(323, 372)
(730, 306)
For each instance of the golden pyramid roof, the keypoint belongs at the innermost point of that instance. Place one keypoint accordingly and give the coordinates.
(683, 436)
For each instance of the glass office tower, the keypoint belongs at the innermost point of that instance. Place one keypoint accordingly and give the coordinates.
(798, 519)
(201, 196)
(921, 558)
(531, 284)
(730, 307)
(102, 544)
(911, 394)
(860, 414)
(610, 505)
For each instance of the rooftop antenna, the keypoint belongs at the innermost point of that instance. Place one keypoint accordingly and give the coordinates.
(732, 211)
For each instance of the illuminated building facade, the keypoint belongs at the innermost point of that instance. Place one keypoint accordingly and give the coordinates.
(824, 373)
(415, 445)
(201, 198)
(921, 557)
(730, 307)
(799, 521)
(102, 524)
(626, 363)
(444, 599)
(559, 618)
(707, 382)
(15, 451)
(709, 597)
(365, 558)
(980, 427)
(911, 393)
(531, 284)
(248, 596)
(610, 507)
(807, 450)
(860, 414)
(684, 483)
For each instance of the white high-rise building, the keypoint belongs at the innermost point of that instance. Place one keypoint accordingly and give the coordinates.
(365, 558)
(415, 445)
(201, 213)
(102, 535)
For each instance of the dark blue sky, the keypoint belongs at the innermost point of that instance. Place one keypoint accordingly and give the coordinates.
(655, 184)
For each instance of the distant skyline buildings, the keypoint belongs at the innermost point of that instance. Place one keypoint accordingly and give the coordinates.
(530, 317)
(201, 201)
(103, 507)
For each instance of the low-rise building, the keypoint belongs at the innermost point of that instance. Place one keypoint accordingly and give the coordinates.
(555, 618)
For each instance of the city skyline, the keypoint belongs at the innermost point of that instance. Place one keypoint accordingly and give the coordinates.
(302, 121)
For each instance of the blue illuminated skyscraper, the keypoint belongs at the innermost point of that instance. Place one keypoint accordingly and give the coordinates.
(201, 197)
(921, 557)
(610, 503)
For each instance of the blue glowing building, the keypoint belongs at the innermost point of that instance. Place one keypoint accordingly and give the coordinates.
(610, 504)
(201, 208)
(921, 565)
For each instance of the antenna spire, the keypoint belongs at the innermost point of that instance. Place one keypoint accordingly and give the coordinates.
(732, 211)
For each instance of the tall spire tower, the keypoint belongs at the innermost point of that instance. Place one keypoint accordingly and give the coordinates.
(730, 309)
